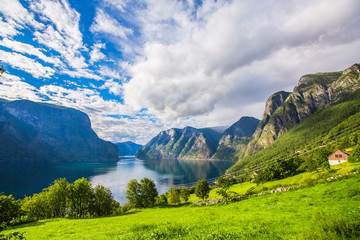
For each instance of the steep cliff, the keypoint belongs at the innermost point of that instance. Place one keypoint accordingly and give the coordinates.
(32, 131)
(187, 143)
(235, 139)
(313, 92)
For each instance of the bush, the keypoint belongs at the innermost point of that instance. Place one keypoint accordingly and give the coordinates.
(173, 196)
(354, 155)
(9, 208)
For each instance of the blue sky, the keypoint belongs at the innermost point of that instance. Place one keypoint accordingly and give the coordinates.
(139, 67)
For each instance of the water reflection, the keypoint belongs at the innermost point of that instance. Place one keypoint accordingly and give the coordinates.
(27, 179)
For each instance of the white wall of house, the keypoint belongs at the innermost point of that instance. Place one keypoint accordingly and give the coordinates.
(334, 162)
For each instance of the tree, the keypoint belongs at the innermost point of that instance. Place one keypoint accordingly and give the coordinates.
(184, 193)
(141, 194)
(224, 184)
(174, 196)
(148, 192)
(80, 197)
(57, 197)
(202, 189)
(37, 206)
(321, 157)
(133, 193)
(354, 155)
(103, 204)
(9, 208)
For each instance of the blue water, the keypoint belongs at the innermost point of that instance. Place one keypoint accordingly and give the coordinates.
(28, 179)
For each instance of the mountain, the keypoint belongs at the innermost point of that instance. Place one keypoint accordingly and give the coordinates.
(31, 131)
(186, 143)
(127, 148)
(323, 110)
(312, 93)
(234, 140)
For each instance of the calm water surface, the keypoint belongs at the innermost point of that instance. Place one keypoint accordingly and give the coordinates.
(28, 179)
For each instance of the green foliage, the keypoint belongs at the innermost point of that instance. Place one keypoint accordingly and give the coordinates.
(2, 69)
(321, 157)
(355, 155)
(57, 194)
(335, 226)
(202, 189)
(148, 192)
(184, 193)
(37, 206)
(103, 204)
(12, 236)
(173, 196)
(162, 199)
(224, 184)
(9, 208)
(80, 198)
(141, 194)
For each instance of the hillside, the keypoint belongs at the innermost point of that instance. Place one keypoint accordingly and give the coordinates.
(312, 93)
(328, 210)
(33, 132)
(127, 148)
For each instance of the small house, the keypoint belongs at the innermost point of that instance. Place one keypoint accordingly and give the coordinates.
(338, 157)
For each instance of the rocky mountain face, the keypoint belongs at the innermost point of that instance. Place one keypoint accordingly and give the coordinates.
(32, 131)
(127, 148)
(234, 140)
(186, 143)
(312, 93)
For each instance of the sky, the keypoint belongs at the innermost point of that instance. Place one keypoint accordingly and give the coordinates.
(143, 66)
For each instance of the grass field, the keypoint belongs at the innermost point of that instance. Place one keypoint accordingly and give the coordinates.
(299, 214)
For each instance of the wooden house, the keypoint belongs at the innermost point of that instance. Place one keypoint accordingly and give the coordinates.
(338, 157)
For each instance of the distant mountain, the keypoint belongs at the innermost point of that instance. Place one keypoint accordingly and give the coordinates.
(31, 131)
(127, 148)
(186, 143)
(234, 140)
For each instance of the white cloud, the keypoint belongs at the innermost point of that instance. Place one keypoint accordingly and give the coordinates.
(13, 88)
(218, 56)
(29, 50)
(108, 72)
(103, 23)
(63, 35)
(113, 87)
(26, 64)
(81, 73)
(96, 54)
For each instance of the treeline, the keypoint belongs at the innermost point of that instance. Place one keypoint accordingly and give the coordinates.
(60, 199)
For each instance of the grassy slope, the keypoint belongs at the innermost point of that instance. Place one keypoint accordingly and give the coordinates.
(308, 131)
(273, 216)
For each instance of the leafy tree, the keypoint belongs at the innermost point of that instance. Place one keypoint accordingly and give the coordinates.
(162, 199)
(202, 189)
(184, 193)
(37, 206)
(80, 197)
(148, 192)
(9, 208)
(354, 139)
(355, 155)
(57, 197)
(322, 157)
(224, 184)
(141, 194)
(103, 203)
(2, 69)
(133, 193)
(173, 196)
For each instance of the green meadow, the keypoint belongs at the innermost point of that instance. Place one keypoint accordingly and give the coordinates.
(318, 210)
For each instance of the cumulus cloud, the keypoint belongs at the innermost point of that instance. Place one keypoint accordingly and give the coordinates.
(219, 55)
